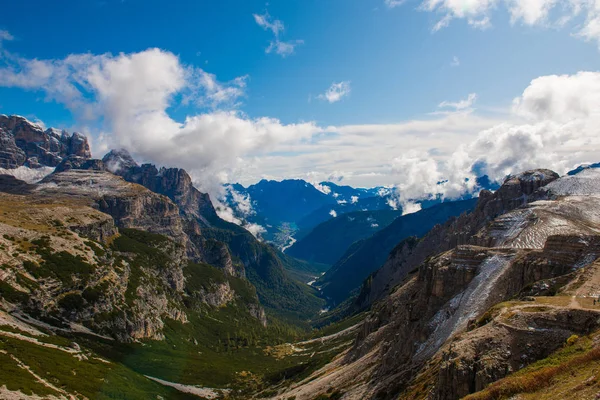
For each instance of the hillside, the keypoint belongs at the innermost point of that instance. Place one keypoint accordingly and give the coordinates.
(517, 289)
(328, 241)
(367, 255)
(123, 313)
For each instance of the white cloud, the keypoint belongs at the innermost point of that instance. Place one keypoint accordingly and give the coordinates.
(267, 23)
(553, 123)
(5, 36)
(560, 97)
(240, 210)
(131, 93)
(336, 92)
(394, 3)
(560, 130)
(284, 49)
(460, 105)
(255, 229)
(333, 213)
(321, 188)
(455, 62)
(278, 46)
(478, 13)
(354, 199)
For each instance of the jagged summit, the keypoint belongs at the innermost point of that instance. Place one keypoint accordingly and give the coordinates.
(118, 161)
(24, 143)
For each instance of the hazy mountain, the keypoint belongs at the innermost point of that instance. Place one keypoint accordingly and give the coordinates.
(293, 207)
(365, 256)
(328, 241)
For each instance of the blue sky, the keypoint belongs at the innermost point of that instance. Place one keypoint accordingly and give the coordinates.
(396, 66)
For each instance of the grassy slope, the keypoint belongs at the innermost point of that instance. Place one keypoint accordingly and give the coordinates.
(206, 352)
(571, 372)
(91, 377)
(266, 268)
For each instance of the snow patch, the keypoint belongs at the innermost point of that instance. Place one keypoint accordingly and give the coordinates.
(465, 306)
(29, 175)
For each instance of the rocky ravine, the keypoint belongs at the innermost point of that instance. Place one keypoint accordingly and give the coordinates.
(443, 331)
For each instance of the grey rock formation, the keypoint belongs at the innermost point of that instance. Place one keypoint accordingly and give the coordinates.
(25, 143)
(516, 191)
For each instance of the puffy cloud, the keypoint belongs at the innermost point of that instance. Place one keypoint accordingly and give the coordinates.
(267, 23)
(333, 213)
(455, 62)
(5, 35)
(239, 212)
(284, 49)
(553, 123)
(276, 27)
(321, 188)
(336, 92)
(560, 97)
(560, 130)
(476, 12)
(130, 94)
(354, 199)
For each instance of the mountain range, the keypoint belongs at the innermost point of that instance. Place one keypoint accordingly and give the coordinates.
(120, 280)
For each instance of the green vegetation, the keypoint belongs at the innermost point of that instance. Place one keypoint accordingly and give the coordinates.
(12, 295)
(218, 346)
(90, 377)
(266, 268)
(61, 265)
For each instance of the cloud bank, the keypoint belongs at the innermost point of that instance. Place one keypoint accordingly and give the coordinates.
(559, 128)
(125, 100)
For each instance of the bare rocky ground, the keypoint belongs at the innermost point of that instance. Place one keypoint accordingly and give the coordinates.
(521, 285)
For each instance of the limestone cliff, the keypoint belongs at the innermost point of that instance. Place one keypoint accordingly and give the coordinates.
(446, 329)
(25, 143)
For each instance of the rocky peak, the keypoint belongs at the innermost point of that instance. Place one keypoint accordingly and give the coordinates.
(119, 161)
(174, 183)
(514, 192)
(26, 143)
(76, 162)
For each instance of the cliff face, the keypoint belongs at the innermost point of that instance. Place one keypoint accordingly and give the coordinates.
(174, 183)
(67, 262)
(446, 329)
(131, 205)
(516, 192)
(25, 143)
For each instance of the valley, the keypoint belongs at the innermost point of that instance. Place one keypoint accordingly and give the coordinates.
(121, 280)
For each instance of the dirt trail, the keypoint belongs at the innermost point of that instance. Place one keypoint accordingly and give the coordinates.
(590, 289)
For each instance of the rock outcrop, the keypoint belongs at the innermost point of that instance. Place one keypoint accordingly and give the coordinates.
(516, 192)
(66, 261)
(445, 328)
(25, 143)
